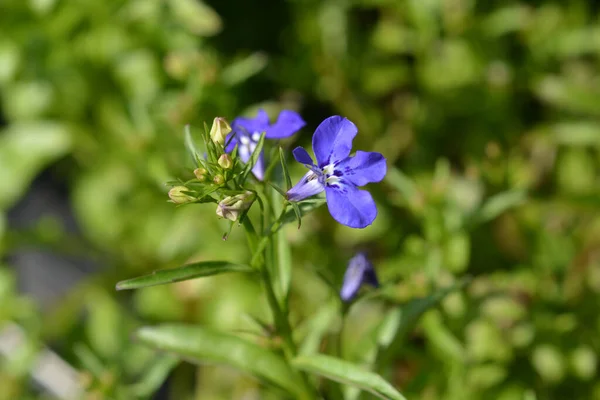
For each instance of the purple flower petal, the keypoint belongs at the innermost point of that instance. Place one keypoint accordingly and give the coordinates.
(231, 140)
(359, 271)
(288, 123)
(244, 151)
(248, 126)
(364, 167)
(308, 186)
(302, 156)
(350, 206)
(332, 140)
(259, 168)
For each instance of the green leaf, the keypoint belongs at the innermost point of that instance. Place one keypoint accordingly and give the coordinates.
(282, 271)
(272, 164)
(405, 319)
(253, 158)
(190, 271)
(88, 359)
(304, 207)
(317, 326)
(402, 183)
(499, 204)
(203, 345)
(286, 173)
(297, 213)
(350, 374)
(277, 189)
(240, 70)
(190, 145)
(25, 149)
(195, 16)
(154, 377)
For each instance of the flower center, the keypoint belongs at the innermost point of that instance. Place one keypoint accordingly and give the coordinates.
(331, 178)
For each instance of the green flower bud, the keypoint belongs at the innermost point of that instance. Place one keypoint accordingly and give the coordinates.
(219, 130)
(232, 206)
(218, 179)
(178, 197)
(225, 161)
(200, 174)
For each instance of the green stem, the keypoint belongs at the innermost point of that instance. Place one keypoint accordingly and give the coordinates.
(282, 324)
(340, 341)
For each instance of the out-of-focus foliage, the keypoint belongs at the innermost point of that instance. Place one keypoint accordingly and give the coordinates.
(487, 111)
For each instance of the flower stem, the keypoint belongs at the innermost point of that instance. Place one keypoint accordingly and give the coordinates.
(280, 318)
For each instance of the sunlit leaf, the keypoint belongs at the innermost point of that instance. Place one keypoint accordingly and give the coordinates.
(203, 345)
(190, 271)
(286, 173)
(499, 204)
(406, 318)
(155, 376)
(348, 373)
(304, 207)
(26, 148)
(191, 146)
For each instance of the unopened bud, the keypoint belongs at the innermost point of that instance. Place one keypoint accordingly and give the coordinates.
(218, 179)
(219, 130)
(225, 161)
(177, 196)
(232, 206)
(200, 174)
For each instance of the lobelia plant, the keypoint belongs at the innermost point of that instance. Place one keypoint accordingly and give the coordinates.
(222, 177)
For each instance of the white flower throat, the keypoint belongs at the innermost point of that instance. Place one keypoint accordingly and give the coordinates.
(248, 144)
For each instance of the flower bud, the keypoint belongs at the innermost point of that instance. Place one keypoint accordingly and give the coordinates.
(200, 174)
(218, 179)
(225, 161)
(178, 197)
(359, 271)
(232, 206)
(219, 130)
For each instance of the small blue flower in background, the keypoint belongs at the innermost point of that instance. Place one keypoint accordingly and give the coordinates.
(246, 133)
(359, 271)
(340, 175)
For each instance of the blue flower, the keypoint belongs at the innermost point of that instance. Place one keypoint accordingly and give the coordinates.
(359, 271)
(340, 175)
(246, 133)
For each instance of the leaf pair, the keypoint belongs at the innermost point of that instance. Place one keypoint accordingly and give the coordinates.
(203, 345)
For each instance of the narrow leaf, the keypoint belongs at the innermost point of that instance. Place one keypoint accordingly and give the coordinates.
(278, 189)
(191, 147)
(304, 207)
(154, 377)
(348, 373)
(298, 213)
(499, 204)
(317, 326)
(401, 183)
(88, 359)
(282, 271)
(190, 271)
(286, 173)
(203, 345)
(272, 164)
(406, 318)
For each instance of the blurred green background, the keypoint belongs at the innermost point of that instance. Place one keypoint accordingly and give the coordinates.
(487, 111)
